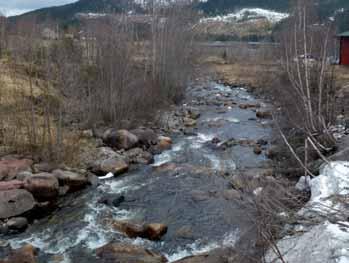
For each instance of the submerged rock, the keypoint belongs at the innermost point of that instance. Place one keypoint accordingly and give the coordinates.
(112, 200)
(125, 253)
(15, 203)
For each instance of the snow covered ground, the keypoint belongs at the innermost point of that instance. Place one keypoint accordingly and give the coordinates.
(249, 14)
(325, 237)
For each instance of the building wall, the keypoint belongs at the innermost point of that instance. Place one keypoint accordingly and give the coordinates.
(344, 51)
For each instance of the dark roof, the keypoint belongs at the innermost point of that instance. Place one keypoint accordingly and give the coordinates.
(344, 34)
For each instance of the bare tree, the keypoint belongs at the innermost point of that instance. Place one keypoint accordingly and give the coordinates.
(3, 34)
(308, 93)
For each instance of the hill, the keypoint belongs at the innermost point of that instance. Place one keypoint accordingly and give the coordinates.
(67, 13)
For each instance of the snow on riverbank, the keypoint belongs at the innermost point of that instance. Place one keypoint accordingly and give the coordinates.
(327, 241)
(248, 14)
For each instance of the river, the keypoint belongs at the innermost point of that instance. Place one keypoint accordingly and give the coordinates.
(186, 196)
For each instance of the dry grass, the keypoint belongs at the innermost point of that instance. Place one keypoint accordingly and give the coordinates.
(244, 73)
(342, 77)
(16, 101)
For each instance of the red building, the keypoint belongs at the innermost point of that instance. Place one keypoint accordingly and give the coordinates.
(344, 48)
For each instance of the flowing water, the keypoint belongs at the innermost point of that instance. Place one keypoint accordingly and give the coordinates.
(186, 196)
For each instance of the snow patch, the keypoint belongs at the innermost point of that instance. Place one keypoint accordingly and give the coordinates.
(326, 241)
(332, 182)
(248, 14)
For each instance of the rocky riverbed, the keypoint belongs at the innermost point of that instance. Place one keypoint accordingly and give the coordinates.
(145, 195)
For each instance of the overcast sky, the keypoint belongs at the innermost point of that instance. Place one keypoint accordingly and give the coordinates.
(16, 7)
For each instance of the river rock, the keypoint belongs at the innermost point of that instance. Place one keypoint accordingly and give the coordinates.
(17, 223)
(11, 185)
(198, 195)
(116, 166)
(120, 139)
(193, 114)
(264, 114)
(188, 122)
(205, 258)
(112, 200)
(104, 153)
(43, 186)
(138, 156)
(146, 137)
(15, 202)
(185, 232)
(262, 142)
(249, 105)
(10, 167)
(154, 231)
(125, 253)
(274, 152)
(148, 231)
(164, 143)
(44, 167)
(231, 194)
(75, 181)
(22, 175)
(26, 254)
(257, 149)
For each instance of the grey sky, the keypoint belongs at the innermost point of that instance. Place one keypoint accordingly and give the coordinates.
(15, 7)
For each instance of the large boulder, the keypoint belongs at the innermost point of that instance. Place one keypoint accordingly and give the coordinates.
(148, 231)
(43, 186)
(75, 181)
(9, 168)
(120, 139)
(138, 156)
(15, 202)
(26, 254)
(125, 253)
